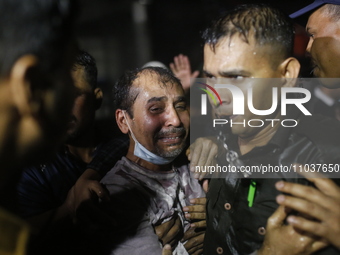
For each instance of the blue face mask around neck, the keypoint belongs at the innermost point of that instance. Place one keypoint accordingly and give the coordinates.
(143, 153)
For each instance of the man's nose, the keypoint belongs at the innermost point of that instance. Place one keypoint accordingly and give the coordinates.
(172, 118)
(309, 45)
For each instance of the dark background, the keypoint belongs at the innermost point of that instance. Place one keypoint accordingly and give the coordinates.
(124, 34)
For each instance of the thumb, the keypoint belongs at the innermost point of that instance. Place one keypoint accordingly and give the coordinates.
(166, 250)
(101, 192)
(187, 153)
(205, 185)
(277, 218)
(195, 74)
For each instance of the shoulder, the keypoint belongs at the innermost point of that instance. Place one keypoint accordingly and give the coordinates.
(323, 132)
(121, 178)
(320, 129)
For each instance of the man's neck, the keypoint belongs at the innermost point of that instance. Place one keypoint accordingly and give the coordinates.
(143, 163)
(84, 146)
(246, 144)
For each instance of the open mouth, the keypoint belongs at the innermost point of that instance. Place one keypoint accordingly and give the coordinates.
(173, 139)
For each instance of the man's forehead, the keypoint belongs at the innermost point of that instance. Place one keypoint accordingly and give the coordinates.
(151, 85)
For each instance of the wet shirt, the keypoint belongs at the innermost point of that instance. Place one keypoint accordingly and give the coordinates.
(141, 199)
(44, 187)
(235, 227)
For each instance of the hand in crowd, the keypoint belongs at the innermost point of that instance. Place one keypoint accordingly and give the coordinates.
(170, 232)
(182, 70)
(167, 250)
(83, 198)
(284, 239)
(321, 203)
(202, 152)
(194, 237)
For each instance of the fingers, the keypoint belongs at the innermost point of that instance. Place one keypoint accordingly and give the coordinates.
(199, 201)
(163, 229)
(195, 153)
(203, 152)
(187, 153)
(180, 62)
(327, 186)
(318, 245)
(306, 225)
(191, 233)
(175, 232)
(205, 186)
(166, 250)
(100, 191)
(277, 218)
(194, 243)
(198, 249)
(302, 191)
(199, 224)
(302, 206)
(195, 216)
(195, 74)
(194, 209)
(172, 68)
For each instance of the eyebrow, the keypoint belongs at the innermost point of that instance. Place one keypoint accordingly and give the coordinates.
(234, 72)
(230, 73)
(206, 73)
(158, 99)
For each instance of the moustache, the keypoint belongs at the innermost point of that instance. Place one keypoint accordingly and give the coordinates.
(179, 130)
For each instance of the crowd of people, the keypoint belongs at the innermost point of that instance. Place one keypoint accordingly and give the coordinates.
(68, 189)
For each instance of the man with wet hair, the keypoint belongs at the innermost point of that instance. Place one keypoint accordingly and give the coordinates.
(247, 43)
(322, 202)
(152, 183)
(324, 42)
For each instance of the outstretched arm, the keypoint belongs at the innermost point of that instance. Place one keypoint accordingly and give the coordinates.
(182, 70)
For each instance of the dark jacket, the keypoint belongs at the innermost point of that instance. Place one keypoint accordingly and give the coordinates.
(236, 228)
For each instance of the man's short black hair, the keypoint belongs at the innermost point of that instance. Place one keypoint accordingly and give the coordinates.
(265, 24)
(39, 27)
(86, 61)
(124, 97)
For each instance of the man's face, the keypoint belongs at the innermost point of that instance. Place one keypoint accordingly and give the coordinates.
(235, 59)
(83, 111)
(324, 44)
(160, 116)
(61, 95)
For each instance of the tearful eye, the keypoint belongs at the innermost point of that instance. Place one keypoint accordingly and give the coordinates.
(181, 106)
(236, 77)
(156, 110)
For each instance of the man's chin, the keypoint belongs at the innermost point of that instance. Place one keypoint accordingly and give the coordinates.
(171, 151)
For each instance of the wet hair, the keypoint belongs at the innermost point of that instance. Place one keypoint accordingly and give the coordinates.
(86, 61)
(333, 11)
(268, 26)
(124, 97)
(43, 28)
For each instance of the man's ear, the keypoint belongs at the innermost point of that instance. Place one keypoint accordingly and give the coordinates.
(98, 97)
(121, 121)
(22, 87)
(290, 68)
